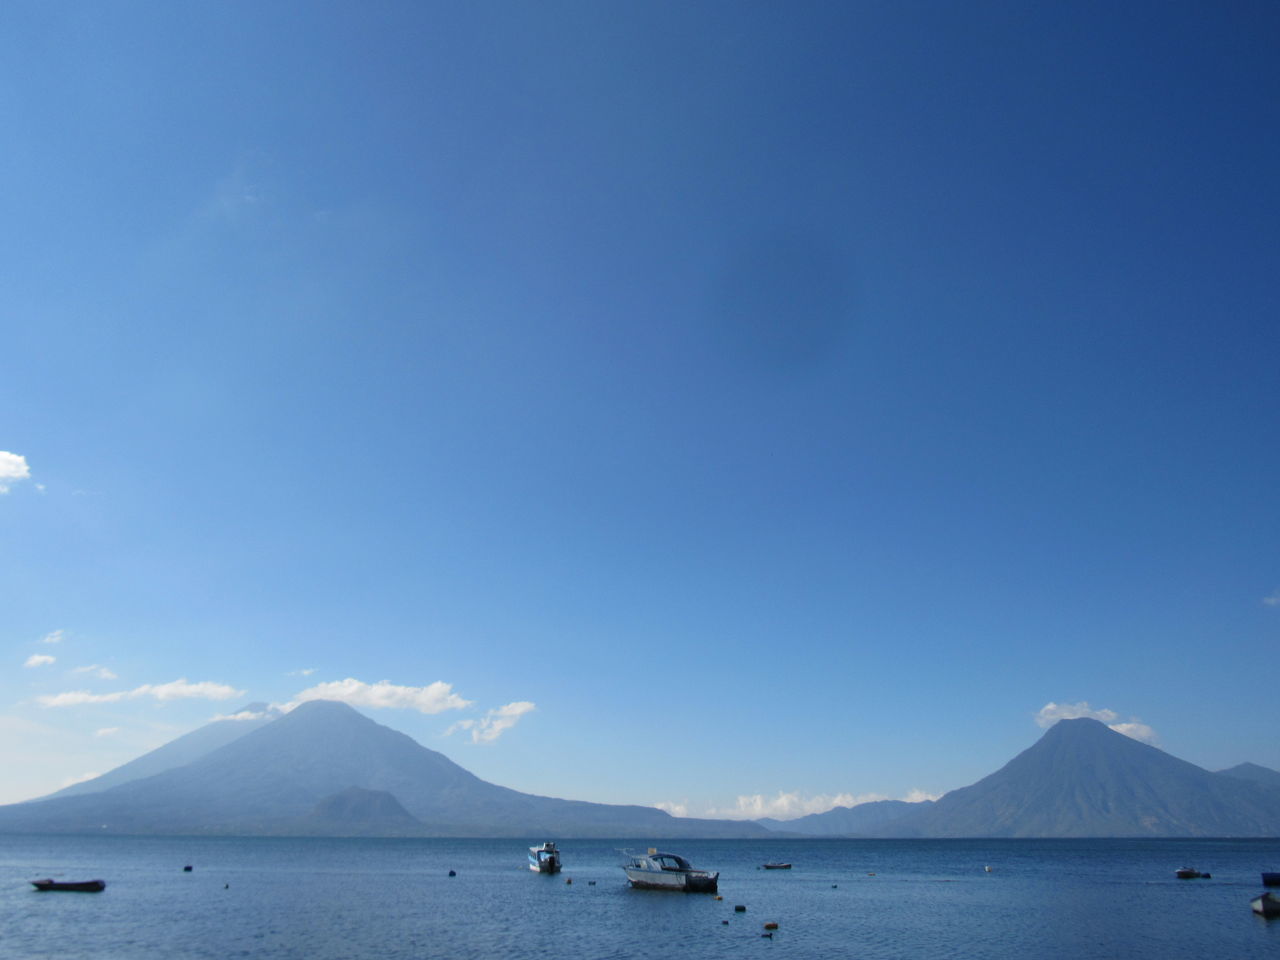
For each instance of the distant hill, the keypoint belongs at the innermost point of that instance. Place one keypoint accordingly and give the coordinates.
(852, 821)
(293, 776)
(179, 752)
(1082, 779)
(1253, 773)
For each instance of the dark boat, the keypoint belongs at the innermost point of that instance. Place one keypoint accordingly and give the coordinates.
(72, 886)
(1271, 879)
(1268, 905)
(1186, 873)
(777, 866)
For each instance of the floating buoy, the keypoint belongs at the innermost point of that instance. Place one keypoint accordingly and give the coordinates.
(724, 922)
(226, 886)
(834, 885)
(719, 898)
(771, 925)
(740, 908)
(453, 873)
(187, 868)
(987, 869)
(568, 879)
(591, 883)
(870, 874)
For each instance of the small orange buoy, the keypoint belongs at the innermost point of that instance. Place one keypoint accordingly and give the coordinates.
(771, 925)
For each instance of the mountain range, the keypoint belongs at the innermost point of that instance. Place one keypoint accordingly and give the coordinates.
(1081, 779)
(325, 769)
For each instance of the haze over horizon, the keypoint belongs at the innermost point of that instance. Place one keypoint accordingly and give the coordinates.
(723, 407)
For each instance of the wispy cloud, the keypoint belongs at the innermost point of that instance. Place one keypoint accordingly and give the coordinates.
(106, 732)
(180, 689)
(54, 636)
(13, 467)
(1051, 713)
(494, 723)
(305, 672)
(246, 715)
(39, 660)
(101, 672)
(1274, 599)
(433, 698)
(788, 805)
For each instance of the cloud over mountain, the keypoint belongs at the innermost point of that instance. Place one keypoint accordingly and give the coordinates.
(433, 698)
(1052, 712)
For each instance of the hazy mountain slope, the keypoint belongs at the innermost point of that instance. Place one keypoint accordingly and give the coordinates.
(1082, 779)
(176, 753)
(846, 821)
(271, 780)
(1254, 773)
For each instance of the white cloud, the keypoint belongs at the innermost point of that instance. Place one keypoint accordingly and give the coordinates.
(920, 796)
(180, 689)
(39, 660)
(102, 673)
(433, 698)
(54, 636)
(106, 732)
(1052, 712)
(788, 805)
(1138, 731)
(494, 723)
(305, 672)
(245, 715)
(1274, 599)
(12, 467)
(80, 779)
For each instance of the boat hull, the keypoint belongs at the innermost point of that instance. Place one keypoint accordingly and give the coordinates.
(544, 866)
(676, 881)
(1268, 905)
(78, 886)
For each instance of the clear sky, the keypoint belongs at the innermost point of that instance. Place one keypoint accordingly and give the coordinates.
(730, 406)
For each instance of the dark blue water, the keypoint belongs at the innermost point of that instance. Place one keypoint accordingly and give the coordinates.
(322, 899)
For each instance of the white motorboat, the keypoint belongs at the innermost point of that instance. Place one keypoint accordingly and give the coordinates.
(666, 871)
(544, 858)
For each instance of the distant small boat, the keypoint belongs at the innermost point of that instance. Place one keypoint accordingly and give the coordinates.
(1268, 904)
(77, 886)
(777, 866)
(1271, 879)
(666, 871)
(544, 858)
(1186, 873)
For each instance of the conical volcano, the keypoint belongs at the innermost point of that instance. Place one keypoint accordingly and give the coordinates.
(1083, 779)
(274, 779)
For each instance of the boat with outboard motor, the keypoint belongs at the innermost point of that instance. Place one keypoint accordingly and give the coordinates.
(667, 871)
(544, 858)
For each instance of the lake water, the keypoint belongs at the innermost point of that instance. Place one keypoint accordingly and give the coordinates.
(321, 898)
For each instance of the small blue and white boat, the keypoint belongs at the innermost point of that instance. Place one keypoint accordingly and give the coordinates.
(544, 858)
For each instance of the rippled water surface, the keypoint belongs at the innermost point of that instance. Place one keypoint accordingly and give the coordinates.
(320, 899)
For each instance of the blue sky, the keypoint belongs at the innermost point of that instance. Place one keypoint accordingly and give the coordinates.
(786, 401)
